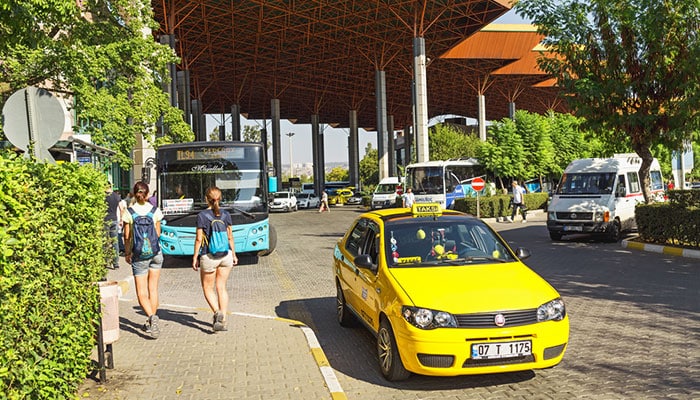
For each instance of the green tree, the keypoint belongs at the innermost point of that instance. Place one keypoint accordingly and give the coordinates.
(337, 174)
(98, 53)
(502, 153)
(369, 167)
(538, 152)
(445, 142)
(628, 66)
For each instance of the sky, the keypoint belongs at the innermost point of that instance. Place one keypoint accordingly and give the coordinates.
(335, 139)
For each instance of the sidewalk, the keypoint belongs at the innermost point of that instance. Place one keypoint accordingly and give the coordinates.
(259, 357)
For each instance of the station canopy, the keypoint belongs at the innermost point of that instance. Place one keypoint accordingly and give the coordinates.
(320, 57)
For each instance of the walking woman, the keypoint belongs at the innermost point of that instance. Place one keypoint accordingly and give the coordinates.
(215, 259)
(141, 228)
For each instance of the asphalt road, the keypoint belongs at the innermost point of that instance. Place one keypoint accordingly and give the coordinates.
(635, 316)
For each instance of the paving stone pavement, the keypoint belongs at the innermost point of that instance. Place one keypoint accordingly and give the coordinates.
(635, 328)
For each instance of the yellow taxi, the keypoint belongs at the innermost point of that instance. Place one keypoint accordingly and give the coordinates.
(445, 295)
(339, 196)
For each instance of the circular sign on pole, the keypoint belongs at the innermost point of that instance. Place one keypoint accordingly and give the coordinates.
(477, 184)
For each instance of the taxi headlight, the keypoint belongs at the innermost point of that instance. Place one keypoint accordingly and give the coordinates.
(551, 311)
(424, 318)
(552, 215)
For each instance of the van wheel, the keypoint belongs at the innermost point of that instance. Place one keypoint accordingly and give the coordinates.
(389, 358)
(556, 236)
(614, 232)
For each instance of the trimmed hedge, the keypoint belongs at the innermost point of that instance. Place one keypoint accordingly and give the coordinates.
(676, 222)
(499, 205)
(53, 248)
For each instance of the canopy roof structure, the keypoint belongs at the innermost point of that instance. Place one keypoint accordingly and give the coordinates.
(320, 57)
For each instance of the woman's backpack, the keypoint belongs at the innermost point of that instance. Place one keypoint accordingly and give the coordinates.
(217, 239)
(146, 241)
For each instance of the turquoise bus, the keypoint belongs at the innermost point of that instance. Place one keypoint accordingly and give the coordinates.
(186, 170)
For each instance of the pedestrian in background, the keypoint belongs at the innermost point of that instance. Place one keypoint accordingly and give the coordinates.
(145, 267)
(518, 202)
(324, 203)
(214, 267)
(154, 199)
(113, 199)
(408, 198)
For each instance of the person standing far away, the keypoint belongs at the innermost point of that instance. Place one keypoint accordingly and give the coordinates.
(123, 205)
(154, 199)
(324, 202)
(408, 198)
(518, 202)
(112, 219)
(216, 258)
(142, 218)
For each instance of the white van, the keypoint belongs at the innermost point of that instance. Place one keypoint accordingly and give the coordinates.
(598, 196)
(385, 193)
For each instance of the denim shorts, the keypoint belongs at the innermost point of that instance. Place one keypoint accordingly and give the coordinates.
(141, 267)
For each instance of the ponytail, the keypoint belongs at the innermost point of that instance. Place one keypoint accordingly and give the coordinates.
(213, 197)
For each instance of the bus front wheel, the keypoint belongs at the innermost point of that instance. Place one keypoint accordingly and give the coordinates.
(273, 242)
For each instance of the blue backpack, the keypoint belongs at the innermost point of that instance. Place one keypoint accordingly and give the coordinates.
(217, 240)
(146, 241)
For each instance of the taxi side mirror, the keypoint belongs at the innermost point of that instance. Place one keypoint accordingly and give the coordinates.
(522, 253)
(364, 261)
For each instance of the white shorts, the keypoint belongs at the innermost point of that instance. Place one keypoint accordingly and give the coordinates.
(207, 263)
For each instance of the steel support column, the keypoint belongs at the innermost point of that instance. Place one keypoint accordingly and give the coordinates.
(382, 145)
(318, 168)
(391, 149)
(276, 139)
(236, 122)
(353, 151)
(482, 117)
(421, 100)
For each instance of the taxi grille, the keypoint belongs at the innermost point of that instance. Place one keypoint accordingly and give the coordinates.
(498, 361)
(487, 320)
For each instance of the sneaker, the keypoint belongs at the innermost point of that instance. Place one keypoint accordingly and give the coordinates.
(155, 328)
(524, 221)
(147, 327)
(219, 324)
(509, 219)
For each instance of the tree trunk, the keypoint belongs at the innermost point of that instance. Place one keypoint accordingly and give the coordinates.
(644, 151)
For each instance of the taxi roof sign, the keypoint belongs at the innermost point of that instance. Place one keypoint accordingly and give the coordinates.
(426, 210)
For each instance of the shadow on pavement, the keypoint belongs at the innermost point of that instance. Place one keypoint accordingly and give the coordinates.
(352, 351)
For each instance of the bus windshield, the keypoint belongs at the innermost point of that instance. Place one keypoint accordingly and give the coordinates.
(185, 172)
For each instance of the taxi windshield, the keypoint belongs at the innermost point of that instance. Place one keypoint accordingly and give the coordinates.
(451, 240)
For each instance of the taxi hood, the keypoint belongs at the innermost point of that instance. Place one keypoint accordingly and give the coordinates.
(474, 288)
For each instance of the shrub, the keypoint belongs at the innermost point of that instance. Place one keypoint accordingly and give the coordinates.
(676, 222)
(53, 248)
(499, 205)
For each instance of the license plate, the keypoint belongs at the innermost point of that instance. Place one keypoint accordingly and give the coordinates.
(483, 351)
(573, 228)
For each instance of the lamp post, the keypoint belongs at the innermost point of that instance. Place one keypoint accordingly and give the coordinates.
(291, 164)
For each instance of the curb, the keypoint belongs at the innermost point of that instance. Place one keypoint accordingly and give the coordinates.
(655, 248)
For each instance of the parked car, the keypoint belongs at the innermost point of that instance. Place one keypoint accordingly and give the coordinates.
(445, 295)
(339, 196)
(355, 199)
(283, 201)
(308, 200)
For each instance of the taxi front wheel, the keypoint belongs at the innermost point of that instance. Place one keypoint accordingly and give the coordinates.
(389, 359)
